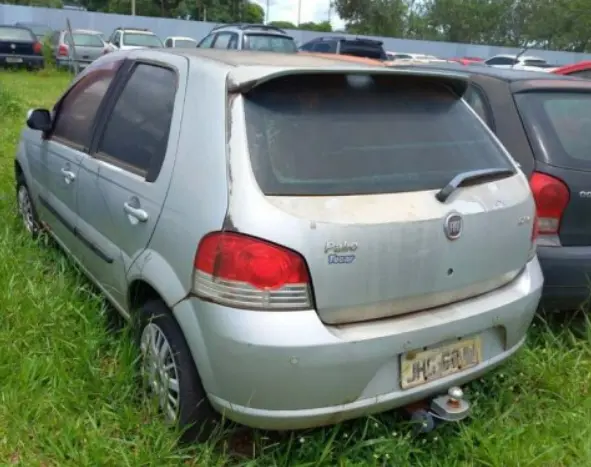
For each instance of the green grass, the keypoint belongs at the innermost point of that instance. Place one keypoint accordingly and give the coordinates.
(67, 395)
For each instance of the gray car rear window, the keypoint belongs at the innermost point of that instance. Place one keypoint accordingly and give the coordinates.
(86, 40)
(340, 135)
(15, 34)
(559, 125)
(269, 43)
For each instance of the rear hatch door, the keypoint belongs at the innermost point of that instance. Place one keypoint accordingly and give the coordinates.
(351, 165)
(16, 41)
(558, 123)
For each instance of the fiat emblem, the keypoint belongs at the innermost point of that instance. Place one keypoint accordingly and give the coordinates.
(452, 226)
(12, 46)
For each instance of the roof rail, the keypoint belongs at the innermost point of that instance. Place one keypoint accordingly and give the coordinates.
(244, 26)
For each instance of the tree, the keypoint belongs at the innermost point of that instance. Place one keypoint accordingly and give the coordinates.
(324, 26)
(283, 24)
(377, 17)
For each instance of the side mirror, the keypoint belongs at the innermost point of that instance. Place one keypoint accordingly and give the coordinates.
(39, 119)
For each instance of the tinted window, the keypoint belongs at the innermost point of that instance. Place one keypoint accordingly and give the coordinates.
(141, 40)
(360, 49)
(136, 134)
(501, 61)
(534, 62)
(269, 43)
(559, 124)
(76, 112)
(16, 34)
(325, 47)
(85, 40)
(339, 135)
(308, 47)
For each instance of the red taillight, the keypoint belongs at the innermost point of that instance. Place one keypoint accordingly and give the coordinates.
(62, 50)
(37, 48)
(551, 196)
(245, 272)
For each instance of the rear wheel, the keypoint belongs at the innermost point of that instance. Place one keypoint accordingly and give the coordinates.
(169, 373)
(26, 207)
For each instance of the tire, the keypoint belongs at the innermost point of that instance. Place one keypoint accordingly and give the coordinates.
(192, 413)
(26, 208)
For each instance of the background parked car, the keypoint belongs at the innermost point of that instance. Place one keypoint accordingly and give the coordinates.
(133, 38)
(20, 47)
(88, 44)
(519, 62)
(544, 120)
(179, 41)
(368, 48)
(578, 70)
(260, 37)
(345, 265)
(40, 30)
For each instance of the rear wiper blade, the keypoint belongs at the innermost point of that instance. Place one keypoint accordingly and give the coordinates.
(469, 178)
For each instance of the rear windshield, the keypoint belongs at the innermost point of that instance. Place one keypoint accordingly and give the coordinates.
(559, 126)
(269, 43)
(39, 30)
(141, 40)
(15, 34)
(87, 40)
(361, 134)
(535, 62)
(359, 49)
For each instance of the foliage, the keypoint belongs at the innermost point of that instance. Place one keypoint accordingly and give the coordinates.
(551, 24)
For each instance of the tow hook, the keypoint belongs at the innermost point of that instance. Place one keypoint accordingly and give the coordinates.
(451, 407)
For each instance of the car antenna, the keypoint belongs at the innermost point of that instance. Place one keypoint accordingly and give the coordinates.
(525, 49)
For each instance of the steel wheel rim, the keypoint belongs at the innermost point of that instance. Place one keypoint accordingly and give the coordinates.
(159, 371)
(26, 209)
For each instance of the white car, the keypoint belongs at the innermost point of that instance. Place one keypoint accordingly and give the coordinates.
(133, 38)
(180, 42)
(521, 62)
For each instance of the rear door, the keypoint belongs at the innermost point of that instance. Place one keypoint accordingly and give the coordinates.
(129, 173)
(349, 167)
(559, 128)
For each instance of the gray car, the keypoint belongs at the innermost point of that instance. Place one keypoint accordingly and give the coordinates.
(80, 48)
(313, 241)
(260, 37)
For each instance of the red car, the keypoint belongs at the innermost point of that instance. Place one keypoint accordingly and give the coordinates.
(467, 60)
(580, 69)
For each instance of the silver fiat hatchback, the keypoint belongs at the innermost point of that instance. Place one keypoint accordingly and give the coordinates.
(298, 240)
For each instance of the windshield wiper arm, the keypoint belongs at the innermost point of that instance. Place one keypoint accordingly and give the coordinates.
(471, 177)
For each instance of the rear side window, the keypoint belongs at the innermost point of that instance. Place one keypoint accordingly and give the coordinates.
(559, 125)
(16, 34)
(361, 134)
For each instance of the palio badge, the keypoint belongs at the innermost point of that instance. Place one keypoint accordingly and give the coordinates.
(340, 253)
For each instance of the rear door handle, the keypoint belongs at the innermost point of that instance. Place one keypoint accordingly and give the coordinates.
(69, 176)
(136, 213)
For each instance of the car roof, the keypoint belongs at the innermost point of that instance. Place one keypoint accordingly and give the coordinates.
(347, 58)
(522, 57)
(246, 66)
(244, 27)
(184, 38)
(84, 31)
(504, 74)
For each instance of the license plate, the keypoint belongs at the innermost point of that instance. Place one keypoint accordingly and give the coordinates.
(14, 60)
(421, 367)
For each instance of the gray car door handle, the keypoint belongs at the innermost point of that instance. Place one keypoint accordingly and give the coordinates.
(69, 176)
(139, 214)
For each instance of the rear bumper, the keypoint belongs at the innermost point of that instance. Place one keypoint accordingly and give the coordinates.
(66, 63)
(290, 371)
(567, 276)
(29, 61)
